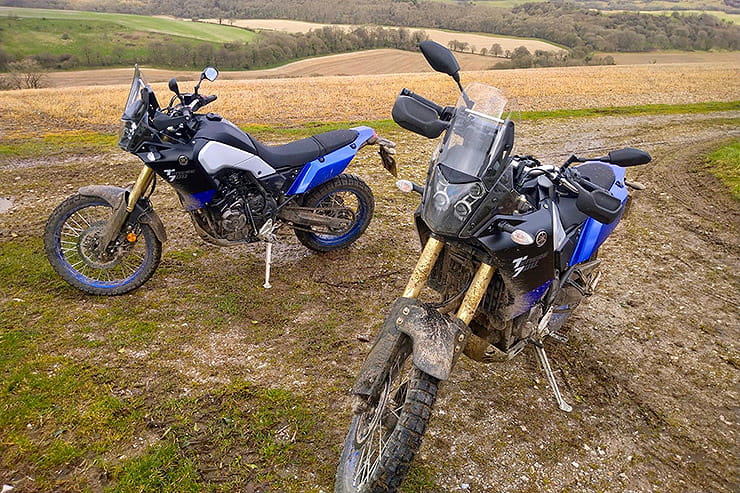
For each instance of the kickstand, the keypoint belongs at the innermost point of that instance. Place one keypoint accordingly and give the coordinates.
(539, 351)
(268, 261)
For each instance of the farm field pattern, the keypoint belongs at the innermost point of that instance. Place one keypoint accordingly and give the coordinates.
(342, 98)
(442, 37)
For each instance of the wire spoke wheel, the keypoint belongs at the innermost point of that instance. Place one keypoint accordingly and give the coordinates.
(386, 433)
(72, 242)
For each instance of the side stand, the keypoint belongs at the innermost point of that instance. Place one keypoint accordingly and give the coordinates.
(268, 261)
(539, 351)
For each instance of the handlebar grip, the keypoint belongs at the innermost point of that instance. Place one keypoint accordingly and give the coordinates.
(209, 99)
(439, 109)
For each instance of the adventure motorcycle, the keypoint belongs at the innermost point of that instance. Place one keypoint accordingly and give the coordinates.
(510, 245)
(108, 240)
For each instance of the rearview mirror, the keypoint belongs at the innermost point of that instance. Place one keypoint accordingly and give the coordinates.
(440, 58)
(628, 156)
(173, 86)
(209, 73)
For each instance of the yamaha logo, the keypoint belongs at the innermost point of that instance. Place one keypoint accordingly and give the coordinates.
(183, 160)
(541, 238)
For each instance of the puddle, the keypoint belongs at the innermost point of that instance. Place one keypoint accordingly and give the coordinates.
(5, 204)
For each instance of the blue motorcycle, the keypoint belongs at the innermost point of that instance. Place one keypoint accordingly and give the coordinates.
(511, 247)
(108, 240)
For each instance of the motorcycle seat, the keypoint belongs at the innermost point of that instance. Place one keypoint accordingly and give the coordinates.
(302, 151)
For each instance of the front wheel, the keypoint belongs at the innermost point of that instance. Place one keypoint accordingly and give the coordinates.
(71, 244)
(344, 197)
(386, 432)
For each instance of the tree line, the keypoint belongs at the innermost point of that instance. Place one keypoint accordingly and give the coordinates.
(565, 23)
(269, 49)
(521, 57)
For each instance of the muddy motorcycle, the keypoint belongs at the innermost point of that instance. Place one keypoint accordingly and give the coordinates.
(107, 240)
(511, 247)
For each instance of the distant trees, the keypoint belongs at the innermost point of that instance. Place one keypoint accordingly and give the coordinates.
(521, 57)
(269, 49)
(24, 74)
(569, 23)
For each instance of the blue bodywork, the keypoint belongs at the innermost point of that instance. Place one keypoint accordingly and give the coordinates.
(327, 167)
(592, 236)
(532, 297)
(595, 233)
(197, 200)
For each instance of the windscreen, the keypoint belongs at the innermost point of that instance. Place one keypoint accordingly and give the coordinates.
(470, 169)
(133, 106)
(132, 132)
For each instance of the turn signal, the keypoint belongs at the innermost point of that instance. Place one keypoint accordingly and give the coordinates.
(405, 186)
(521, 237)
(131, 237)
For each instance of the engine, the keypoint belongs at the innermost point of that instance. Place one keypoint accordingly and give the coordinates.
(240, 208)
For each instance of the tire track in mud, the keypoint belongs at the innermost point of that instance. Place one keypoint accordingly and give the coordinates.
(652, 364)
(650, 386)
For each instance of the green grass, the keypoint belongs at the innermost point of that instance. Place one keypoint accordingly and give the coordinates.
(646, 109)
(185, 29)
(162, 468)
(724, 163)
(58, 143)
(72, 396)
(725, 16)
(91, 43)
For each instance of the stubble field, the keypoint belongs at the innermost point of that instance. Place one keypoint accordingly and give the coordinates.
(442, 37)
(286, 102)
(203, 381)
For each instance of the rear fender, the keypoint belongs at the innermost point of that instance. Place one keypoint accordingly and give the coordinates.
(333, 164)
(117, 197)
(437, 341)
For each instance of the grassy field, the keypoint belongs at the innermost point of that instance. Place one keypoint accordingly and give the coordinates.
(724, 163)
(90, 42)
(725, 16)
(203, 381)
(194, 30)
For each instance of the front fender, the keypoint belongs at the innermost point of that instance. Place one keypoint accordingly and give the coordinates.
(437, 341)
(117, 197)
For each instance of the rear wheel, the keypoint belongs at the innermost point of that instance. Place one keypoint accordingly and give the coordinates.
(71, 243)
(386, 433)
(344, 197)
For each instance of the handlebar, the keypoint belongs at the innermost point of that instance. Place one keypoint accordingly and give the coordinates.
(208, 100)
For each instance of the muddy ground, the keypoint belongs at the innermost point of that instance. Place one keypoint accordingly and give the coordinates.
(652, 367)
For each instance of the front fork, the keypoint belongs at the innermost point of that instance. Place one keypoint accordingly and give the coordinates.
(123, 209)
(423, 269)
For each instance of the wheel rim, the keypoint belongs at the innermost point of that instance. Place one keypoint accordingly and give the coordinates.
(352, 203)
(376, 425)
(76, 236)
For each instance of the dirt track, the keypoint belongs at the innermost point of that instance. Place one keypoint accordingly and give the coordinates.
(652, 367)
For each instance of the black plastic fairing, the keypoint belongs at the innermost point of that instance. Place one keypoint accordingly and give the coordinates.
(417, 117)
(225, 132)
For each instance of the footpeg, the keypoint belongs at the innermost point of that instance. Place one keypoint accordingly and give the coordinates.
(559, 337)
(539, 350)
